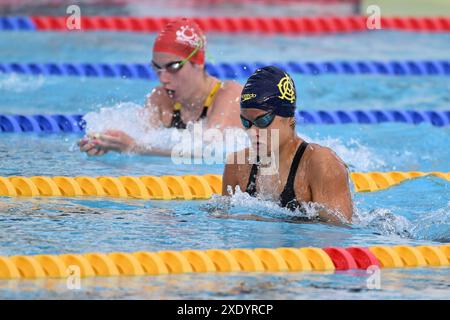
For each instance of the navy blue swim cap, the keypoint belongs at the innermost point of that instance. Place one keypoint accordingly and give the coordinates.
(270, 89)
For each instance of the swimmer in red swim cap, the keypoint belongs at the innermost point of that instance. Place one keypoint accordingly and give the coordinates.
(187, 93)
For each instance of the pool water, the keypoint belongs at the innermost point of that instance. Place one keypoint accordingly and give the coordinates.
(416, 212)
(396, 284)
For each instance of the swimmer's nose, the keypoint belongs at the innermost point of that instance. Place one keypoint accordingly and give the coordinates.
(164, 77)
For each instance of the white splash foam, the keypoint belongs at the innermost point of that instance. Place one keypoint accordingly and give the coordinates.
(383, 221)
(433, 226)
(241, 202)
(17, 83)
(124, 116)
(356, 155)
(132, 119)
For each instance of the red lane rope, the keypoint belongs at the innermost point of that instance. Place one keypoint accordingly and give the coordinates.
(295, 25)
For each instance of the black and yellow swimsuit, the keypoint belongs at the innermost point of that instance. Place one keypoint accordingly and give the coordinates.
(178, 123)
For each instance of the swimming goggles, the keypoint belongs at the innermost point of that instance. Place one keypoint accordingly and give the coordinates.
(261, 122)
(175, 66)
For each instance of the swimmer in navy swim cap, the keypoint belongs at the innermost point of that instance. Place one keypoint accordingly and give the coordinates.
(187, 93)
(306, 172)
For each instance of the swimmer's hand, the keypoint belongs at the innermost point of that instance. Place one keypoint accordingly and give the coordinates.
(110, 140)
(89, 145)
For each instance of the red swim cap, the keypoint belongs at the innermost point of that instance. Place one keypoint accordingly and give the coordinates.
(181, 37)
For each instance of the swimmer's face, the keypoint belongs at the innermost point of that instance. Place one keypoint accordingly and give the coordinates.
(278, 129)
(178, 81)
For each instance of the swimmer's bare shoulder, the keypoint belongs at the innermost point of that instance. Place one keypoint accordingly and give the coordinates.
(322, 159)
(226, 109)
(232, 86)
(237, 170)
(160, 106)
(328, 179)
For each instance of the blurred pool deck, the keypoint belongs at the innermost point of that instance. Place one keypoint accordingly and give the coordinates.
(409, 7)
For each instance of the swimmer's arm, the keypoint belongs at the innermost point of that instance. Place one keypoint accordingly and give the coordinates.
(115, 140)
(329, 185)
(151, 151)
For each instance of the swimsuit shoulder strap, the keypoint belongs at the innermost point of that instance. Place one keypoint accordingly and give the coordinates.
(177, 122)
(295, 163)
(251, 185)
(288, 193)
(177, 106)
(210, 99)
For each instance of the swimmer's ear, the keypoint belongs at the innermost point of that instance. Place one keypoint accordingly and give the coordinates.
(201, 66)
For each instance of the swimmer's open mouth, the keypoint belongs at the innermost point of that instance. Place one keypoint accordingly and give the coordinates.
(170, 93)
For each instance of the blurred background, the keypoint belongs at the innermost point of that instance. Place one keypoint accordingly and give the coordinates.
(228, 7)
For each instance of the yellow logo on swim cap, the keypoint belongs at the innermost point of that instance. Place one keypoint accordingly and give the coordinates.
(286, 87)
(247, 96)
